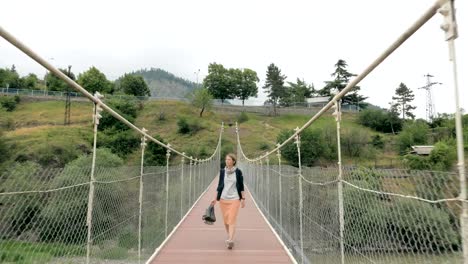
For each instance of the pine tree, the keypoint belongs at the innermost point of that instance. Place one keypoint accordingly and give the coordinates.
(404, 96)
(274, 85)
(342, 77)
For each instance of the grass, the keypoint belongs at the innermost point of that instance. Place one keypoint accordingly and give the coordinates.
(39, 124)
(37, 253)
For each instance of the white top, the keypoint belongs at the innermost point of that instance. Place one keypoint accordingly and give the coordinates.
(230, 189)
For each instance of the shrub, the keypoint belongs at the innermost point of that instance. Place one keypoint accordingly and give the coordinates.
(377, 141)
(443, 156)
(189, 127)
(121, 143)
(20, 212)
(243, 117)
(313, 147)
(8, 103)
(264, 146)
(155, 155)
(127, 108)
(354, 141)
(416, 162)
(66, 218)
(413, 133)
(380, 120)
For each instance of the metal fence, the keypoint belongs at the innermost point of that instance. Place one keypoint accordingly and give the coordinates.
(389, 216)
(46, 215)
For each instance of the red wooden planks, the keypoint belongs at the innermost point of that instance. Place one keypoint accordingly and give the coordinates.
(196, 242)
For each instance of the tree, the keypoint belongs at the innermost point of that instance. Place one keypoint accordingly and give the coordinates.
(9, 78)
(247, 85)
(274, 85)
(201, 98)
(134, 85)
(218, 82)
(404, 96)
(297, 92)
(54, 83)
(95, 81)
(342, 77)
(30, 81)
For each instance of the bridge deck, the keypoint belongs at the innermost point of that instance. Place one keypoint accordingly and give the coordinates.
(196, 242)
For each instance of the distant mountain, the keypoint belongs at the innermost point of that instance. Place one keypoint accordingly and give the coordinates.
(165, 84)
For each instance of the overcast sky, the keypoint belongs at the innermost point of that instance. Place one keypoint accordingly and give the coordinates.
(303, 38)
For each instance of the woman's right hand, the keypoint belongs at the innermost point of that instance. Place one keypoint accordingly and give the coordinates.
(213, 202)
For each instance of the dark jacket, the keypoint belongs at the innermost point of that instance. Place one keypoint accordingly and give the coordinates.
(239, 183)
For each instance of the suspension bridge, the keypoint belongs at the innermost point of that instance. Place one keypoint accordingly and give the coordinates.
(294, 214)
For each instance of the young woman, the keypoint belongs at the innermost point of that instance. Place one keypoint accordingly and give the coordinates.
(230, 194)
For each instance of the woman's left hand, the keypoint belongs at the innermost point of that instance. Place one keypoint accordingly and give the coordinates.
(242, 203)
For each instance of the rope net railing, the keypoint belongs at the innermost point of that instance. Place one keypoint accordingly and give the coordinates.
(358, 214)
(93, 212)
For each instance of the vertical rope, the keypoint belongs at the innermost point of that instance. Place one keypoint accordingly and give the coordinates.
(182, 186)
(168, 155)
(298, 145)
(140, 199)
(337, 115)
(280, 191)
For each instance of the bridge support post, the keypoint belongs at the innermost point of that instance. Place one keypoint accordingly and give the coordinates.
(190, 180)
(168, 155)
(301, 205)
(337, 115)
(280, 191)
(140, 199)
(268, 187)
(182, 187)
(89, 217)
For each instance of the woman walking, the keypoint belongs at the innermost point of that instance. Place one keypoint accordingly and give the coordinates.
(230, 194)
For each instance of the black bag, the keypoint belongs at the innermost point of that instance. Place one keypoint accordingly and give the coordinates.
(209, 217)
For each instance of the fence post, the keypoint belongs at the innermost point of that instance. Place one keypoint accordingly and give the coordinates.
(337, 114)
(190, 180)
(268, 186)
(182, 186)
(96, 116)
(140, 199)
(168, 155)
(298, 145)
(280, 190)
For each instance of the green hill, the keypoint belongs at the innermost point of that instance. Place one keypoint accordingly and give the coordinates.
(165, 84)
(34, 131)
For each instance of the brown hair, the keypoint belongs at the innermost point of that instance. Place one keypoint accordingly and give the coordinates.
(233, 157)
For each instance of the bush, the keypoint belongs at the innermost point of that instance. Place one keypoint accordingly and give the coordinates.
(443, 156)
(243, 117)
(8, 103)
(416, 162)
(155, 154)
(113, 253)
(4, 150)
(67, 218)
(20, 212)
(354, 141)
(128, 239)
(189, 127)
(264, 146)
(377, 141)
(127, 108)
(55, 156)
(413, 133)
(121, 143)
(380, 120)
(313, 147)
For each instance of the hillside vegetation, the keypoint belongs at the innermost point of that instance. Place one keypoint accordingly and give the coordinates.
(34, 131)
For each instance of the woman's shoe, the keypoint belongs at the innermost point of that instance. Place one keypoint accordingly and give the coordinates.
(230, 244)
